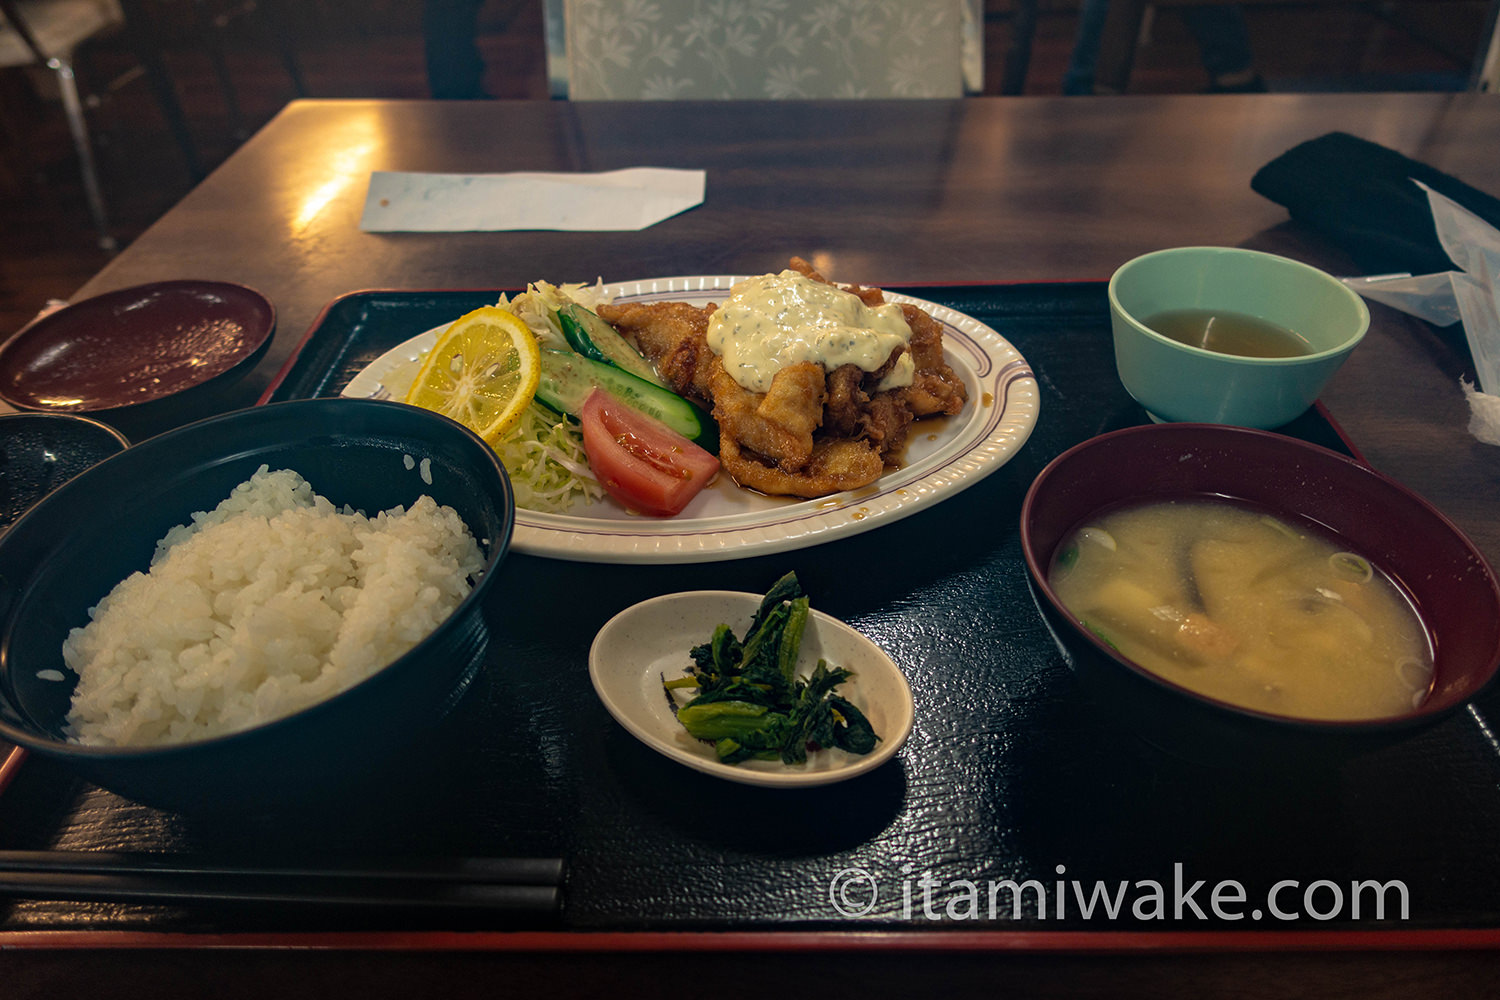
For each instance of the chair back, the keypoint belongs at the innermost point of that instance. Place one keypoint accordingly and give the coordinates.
(765, 49)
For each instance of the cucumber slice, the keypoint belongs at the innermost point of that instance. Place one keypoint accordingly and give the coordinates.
(567, 380)
(594, 338)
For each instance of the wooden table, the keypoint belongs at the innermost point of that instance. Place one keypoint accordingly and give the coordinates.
(982, 190)
(908, 193)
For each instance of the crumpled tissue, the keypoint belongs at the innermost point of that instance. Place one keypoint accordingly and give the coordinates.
(1470, 295)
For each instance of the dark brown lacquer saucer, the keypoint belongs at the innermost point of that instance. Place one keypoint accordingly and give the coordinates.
(136, 345)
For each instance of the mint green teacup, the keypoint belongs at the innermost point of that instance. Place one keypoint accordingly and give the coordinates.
(1177, 382)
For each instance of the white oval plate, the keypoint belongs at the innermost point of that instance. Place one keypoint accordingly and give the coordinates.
(725, 522)
(650, 641)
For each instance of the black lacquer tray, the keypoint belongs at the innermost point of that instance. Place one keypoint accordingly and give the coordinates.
(1011, 774)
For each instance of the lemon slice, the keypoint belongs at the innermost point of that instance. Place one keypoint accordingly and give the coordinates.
(482, 372)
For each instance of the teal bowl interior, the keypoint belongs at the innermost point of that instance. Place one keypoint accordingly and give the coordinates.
(1177, 382)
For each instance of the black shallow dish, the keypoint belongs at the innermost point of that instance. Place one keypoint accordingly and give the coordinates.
(1450, 583)
(41, 451)
(74, 546)
(135, 346)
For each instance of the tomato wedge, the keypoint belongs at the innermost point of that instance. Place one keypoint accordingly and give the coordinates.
(640, 461)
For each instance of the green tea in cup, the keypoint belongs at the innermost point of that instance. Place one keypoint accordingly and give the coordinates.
(1229, 332)
(1227, 335)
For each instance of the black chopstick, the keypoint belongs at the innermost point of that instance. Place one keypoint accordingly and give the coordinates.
(516, 885)
(511, 871)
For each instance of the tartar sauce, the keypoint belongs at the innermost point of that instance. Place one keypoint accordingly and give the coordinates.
(776, 320)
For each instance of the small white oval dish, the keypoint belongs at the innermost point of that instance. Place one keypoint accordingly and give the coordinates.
(649, 642)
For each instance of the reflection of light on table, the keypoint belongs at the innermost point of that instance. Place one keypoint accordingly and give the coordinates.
(358, 142)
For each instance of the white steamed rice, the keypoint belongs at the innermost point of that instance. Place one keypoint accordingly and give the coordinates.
(271, 602)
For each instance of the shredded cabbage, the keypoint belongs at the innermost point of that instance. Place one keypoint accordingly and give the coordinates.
(543, 453)
(538, 305)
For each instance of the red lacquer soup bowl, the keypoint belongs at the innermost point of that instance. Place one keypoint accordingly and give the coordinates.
(1448, 581)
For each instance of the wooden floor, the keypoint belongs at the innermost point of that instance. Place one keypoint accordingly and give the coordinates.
(374, 49)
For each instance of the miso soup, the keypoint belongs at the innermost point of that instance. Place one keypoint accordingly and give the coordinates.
(1230, 333)
(1241, 606)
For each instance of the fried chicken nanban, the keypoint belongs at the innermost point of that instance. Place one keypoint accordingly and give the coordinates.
(813, 431)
